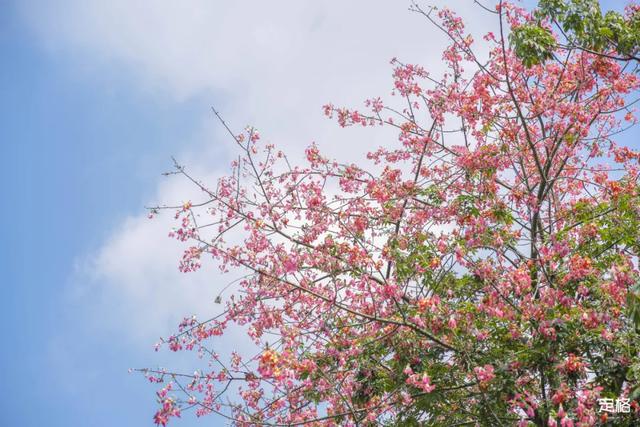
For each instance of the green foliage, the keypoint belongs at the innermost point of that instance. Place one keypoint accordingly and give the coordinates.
(467, 205)
(585, 27)
(417, 253)
(532, 43)
(633, 305)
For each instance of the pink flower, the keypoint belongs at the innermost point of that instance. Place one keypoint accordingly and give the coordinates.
(289, 265)
(421, 381)
(484, 374)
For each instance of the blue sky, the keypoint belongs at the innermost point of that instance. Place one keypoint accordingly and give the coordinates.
(96, 97)
(86, 131)
(78, 146)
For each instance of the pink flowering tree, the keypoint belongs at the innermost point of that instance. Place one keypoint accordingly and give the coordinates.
(480, 270)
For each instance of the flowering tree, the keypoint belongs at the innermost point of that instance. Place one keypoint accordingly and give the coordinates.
(482, 270)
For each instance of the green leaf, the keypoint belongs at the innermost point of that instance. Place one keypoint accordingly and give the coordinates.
(532, 43)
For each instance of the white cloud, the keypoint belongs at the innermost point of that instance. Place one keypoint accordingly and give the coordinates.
(190, 46)
(274, 64)
(133, 279)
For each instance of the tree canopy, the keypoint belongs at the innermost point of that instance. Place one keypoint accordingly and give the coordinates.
(482, 269)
